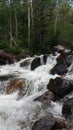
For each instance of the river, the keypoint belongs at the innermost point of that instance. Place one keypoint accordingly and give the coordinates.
(20, 113)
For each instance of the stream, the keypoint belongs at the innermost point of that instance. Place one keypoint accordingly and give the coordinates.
(20, 113)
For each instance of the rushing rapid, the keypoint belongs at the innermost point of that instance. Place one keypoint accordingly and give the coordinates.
(19, 113)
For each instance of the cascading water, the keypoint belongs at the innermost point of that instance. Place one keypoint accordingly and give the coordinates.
(20, 113)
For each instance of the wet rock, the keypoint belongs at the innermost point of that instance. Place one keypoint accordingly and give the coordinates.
(60, 87)
(16, 84)
(59, 69)
(45, 58)
(25, 63)
(49, 123)
(35, 63)
(6, 77)
(67, 109)
(62, 57)
(61, 48)
(65, 57)
(7, 58)
(63, 62)
(69, 60)
(46, 97)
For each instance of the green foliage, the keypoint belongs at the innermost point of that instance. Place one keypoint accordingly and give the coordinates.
(15, 50)
(4, 46)
(66, 34)
(52, 23)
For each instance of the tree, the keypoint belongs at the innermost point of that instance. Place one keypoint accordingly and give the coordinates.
(43, 17)
(29, 24)
(36, 25)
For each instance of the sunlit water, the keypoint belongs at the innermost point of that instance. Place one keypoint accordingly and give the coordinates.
(20, 113)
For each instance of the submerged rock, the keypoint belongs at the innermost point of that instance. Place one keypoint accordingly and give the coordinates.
(63, 62)
(49, 123)
(67, 109)
(60, 87)
(16, 84)
(46, 97)
(35, 63)
(7, 77)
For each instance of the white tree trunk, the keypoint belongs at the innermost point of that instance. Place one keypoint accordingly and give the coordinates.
(55, 25)
(28, 24)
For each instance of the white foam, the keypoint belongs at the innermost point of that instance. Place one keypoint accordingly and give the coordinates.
(15, 113)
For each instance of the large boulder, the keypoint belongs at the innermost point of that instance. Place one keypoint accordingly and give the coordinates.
(63, 62)
(65, 57)
(69, 59)
(35, 63)
(49, 123)
(16, 84)
(39, 60)
(46, 97)
(60, 87)
(62, 57)
(59, 69)
(67, 109)
(61, 48)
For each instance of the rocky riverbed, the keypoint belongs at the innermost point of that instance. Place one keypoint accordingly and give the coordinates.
(36, 93)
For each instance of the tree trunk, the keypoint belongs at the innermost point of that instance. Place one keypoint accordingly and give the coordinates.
(12, 41)
(32, 15)
(55, 25)
(10, 31)
(28, 25)
(16, 22)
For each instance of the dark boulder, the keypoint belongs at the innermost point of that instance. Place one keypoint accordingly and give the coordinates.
(69, 60)
(67, 109)
(62, 57)
(45, 58)
(60, 87)
(35, 63)
(49, 123)
(60, 69)
(46, 97)
(7, 77)
(66, 58)
(63, 62)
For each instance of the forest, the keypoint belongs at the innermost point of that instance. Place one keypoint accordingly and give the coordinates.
(36, 64)
(35, 25)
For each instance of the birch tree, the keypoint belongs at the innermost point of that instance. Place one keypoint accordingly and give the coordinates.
(29, 24)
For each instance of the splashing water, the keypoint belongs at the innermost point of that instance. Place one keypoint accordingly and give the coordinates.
(20, 114)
